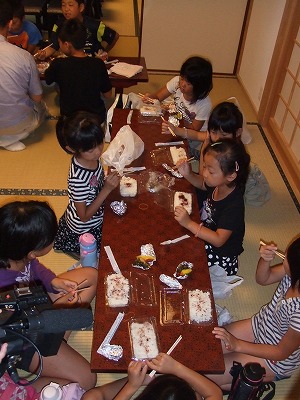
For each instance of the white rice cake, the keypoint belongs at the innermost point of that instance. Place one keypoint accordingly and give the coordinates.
(183, 199)
(177, 153)
(128, 186)
(117, 290)
(199, 306)
(144, 342)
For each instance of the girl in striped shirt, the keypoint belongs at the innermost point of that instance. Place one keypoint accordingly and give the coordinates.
(81, 135)
(272, 336)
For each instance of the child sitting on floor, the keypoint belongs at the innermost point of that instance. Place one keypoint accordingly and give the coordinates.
(81, 79)
(178, 383)
(226, 122)
(225, 171)
(100, 38)
(272, 336)
(23, 33)
(81, 135)
(27, 231)
(191, 97)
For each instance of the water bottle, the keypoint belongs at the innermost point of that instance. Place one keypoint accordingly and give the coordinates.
(51, 392)
(248, 382)
(88, 250)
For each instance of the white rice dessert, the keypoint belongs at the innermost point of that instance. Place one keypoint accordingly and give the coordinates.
(144, 341)
(117, 290)
(128, 186)
(177, 153)
(183, 199)
(199, 306)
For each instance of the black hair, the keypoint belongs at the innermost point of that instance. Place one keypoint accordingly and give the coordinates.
(25, 226)
(293, 259)
(18, 9)
(81, 131)
(167, 387)
(225, 117)
(6, 13)
(81, 2)
(73, 31)
(198, 72)
(232, 157)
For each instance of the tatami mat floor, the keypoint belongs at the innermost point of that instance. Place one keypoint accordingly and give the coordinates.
(41, 172)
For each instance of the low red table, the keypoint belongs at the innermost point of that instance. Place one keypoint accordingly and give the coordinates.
(147, 222)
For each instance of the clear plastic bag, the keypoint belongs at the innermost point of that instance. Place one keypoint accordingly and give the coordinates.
(154, 181)
(123, 149)
(221, 283)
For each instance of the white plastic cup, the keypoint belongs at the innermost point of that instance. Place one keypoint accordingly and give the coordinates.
(51, 392)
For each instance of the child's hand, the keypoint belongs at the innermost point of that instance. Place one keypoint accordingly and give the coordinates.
(184, 168)
(182, 216)
(68, 299)
(101, 54)
(147, 98)
(230, 342)
(164, 127)
(268, 252)
(63, 286)
(164, 364)
(112, 180)
(136, 374)
(40, 55)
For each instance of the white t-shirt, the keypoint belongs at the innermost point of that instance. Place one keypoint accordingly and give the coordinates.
(200, 110)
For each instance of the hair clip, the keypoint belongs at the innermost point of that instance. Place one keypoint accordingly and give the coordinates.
(214, 144)
(237, 167)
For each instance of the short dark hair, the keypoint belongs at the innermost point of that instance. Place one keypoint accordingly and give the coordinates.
(18, 9)
(198, 71)
(225, 117)
(73, 31)
(81, 2)
(25, 226)
(6, 13)
(81, 131)
(167, 387)
(232, 157)
(293, 259)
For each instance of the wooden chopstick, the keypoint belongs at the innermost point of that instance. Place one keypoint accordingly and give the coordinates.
(81, 290)
(170, 130)
(276, 252)
(76, 291)
(45, 48)
(153, 372)
(152, 101)
(79, 284)
(189, 160)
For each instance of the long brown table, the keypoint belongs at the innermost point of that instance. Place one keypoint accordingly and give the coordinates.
(147, 222)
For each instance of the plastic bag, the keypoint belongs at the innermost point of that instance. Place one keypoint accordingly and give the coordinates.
(72, 391)
(224, 316)
(121, 101)
(123, 149)
(221, 283)
(257, 190)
